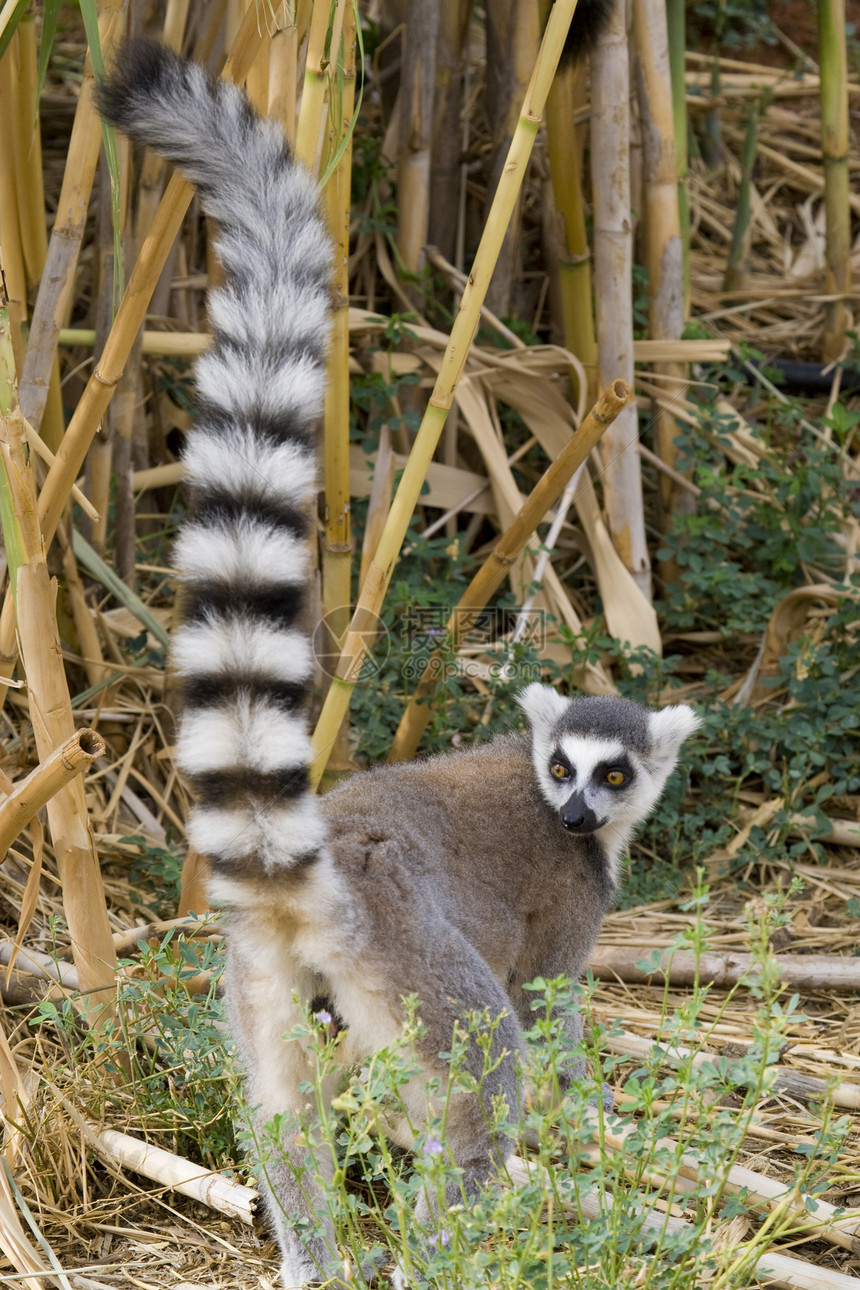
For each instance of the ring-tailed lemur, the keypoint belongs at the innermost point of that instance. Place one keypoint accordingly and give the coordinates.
(458, 879)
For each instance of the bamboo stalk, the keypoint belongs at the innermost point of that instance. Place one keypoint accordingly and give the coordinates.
(174, 1172)
(58, 278)
(316, 85)
(337, 538)
(496, 567)
(50, 708)
(101, 385)
(802, 972)
(835, 147)
(676, 25)
(10, 228)
(417, 83)
(28, 154)
(283, 73)
(363, 627)
(662, 227)
(613, 269)
(72, 758)
(565, 157)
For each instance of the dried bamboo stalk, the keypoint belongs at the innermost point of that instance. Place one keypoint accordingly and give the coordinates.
(10, 228)
(835, 148)
(683, 968)
(613, 268)
(365, 618)
(28, 154)
(50, 707)
(204, 1185)
(337, 537)
(792, 1082)
(662, 228)
(417, 83)
(58, 278)
(497, 566)
(565, 157)
(72, 758)
(312, 114)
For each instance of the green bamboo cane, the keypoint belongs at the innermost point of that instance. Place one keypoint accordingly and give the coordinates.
(835, 146)
(362, 628)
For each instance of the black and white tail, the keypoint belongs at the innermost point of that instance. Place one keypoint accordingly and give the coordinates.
(243, 553)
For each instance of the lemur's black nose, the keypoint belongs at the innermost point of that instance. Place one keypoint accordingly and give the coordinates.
(577, 817)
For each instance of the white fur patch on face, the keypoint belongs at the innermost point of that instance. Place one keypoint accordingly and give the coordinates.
(584, 754)
(246, 731)
(275, 835)
(246, 552)
(225, 642)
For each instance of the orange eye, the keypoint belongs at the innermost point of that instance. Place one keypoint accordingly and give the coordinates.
(558, 771)
(616, 778)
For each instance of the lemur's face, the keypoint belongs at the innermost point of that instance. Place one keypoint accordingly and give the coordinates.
(602, 763)
(595, 782)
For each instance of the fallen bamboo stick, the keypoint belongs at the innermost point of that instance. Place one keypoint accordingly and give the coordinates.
(72, 758)
(683, 968)
(203, 1185)
(497, 566)
(792, 1083)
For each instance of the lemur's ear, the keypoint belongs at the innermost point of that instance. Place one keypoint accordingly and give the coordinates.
(668, 729)
(542, 705)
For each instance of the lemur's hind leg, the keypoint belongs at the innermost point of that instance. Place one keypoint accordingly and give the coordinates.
(263, 979)
(451, 980)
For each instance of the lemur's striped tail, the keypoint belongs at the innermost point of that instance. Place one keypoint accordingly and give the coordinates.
(242, 552)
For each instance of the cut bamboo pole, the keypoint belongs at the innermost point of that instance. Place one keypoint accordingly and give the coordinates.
(835, 147)
(174, 1172)
(497, 566)
(101, 385)
(682, 968)
(613, 279)
(364, 625)
(337, 538)
(75, 756)
(50, 707)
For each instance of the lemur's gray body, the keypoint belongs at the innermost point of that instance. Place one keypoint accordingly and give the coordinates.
(457, 879)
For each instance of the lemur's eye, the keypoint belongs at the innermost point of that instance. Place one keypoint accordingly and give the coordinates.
(558, 770)
(615, 777)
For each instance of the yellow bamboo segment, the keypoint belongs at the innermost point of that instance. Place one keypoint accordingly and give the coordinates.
(50, 707)
(101, 385)
(835, 147)
(72, 758)
(362, 628)
(316, 83)
(283, 72)
(28, 154)
(497, 566)
(11, 248)
(337, 540)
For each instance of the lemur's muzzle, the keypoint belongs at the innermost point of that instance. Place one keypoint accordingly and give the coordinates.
(578, 817)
